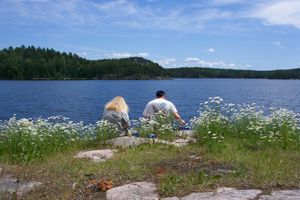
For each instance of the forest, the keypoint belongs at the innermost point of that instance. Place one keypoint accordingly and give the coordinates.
(198, 72)
(27, 63)
(35, 63)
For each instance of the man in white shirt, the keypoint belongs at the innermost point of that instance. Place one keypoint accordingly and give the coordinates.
(160, 104)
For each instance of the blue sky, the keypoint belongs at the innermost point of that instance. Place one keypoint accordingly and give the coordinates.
(240, 34)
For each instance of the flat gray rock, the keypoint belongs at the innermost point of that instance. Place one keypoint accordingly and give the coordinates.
(185, 133)
(146, 191)
(182, 142)
(96, 155)
(178, 142)
(27, 187)
(282, 195)
(12, 185)
(221, 194)
(133, 191)
(127, 141)
(9, 185)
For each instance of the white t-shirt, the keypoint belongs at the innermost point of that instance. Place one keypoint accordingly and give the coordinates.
(157, 105)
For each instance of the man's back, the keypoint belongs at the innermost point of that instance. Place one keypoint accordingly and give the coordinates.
(159, 105)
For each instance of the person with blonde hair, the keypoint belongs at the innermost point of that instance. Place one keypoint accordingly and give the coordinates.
(116, 112)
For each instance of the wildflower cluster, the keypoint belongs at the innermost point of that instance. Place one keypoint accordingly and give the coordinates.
(211, 123)
(159, 124)
(219, 120)
(23, 140)
(105, 130)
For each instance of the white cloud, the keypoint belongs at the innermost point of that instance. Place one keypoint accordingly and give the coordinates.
(122, 6)
(192, 60)
(121, 55)
(225, 2)
(167, 62)
(196, 62)
(82, 54)
(103, 14)
(143, 54)
(126, 55)
(284, 12)
(210, 50)
(98, 16)
(278, 44)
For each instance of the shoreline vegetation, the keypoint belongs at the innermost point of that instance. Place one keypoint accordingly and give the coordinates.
(258, 150)
(31, 63)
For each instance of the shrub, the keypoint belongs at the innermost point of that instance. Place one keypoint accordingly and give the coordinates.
(219, 121)
(159, 124)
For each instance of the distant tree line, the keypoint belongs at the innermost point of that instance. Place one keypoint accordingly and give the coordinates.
(27, 63)
(197, 72)
(23, 63)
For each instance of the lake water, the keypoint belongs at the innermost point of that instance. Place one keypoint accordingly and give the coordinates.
(84, 100)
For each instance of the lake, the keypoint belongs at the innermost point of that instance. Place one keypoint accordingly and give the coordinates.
(84, 100)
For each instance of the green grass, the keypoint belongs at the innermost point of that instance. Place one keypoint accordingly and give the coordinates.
(267, 166)
(175, 171)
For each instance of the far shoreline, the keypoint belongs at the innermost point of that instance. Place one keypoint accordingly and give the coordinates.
(150, 79)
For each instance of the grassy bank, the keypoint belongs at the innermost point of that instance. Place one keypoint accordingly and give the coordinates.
(237, 146)
(176, 171)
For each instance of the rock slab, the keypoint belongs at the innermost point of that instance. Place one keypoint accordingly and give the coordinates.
(221, 194)
(133, 191)
(12, 185)
(127, 141)
(9, 185)
(185, 133)
(27, 187)
(282, 195)
(182, 142)
(178, 142)
(146, 191)
(97, 155)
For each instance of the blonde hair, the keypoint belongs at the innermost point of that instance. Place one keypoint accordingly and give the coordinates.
(117, 104)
